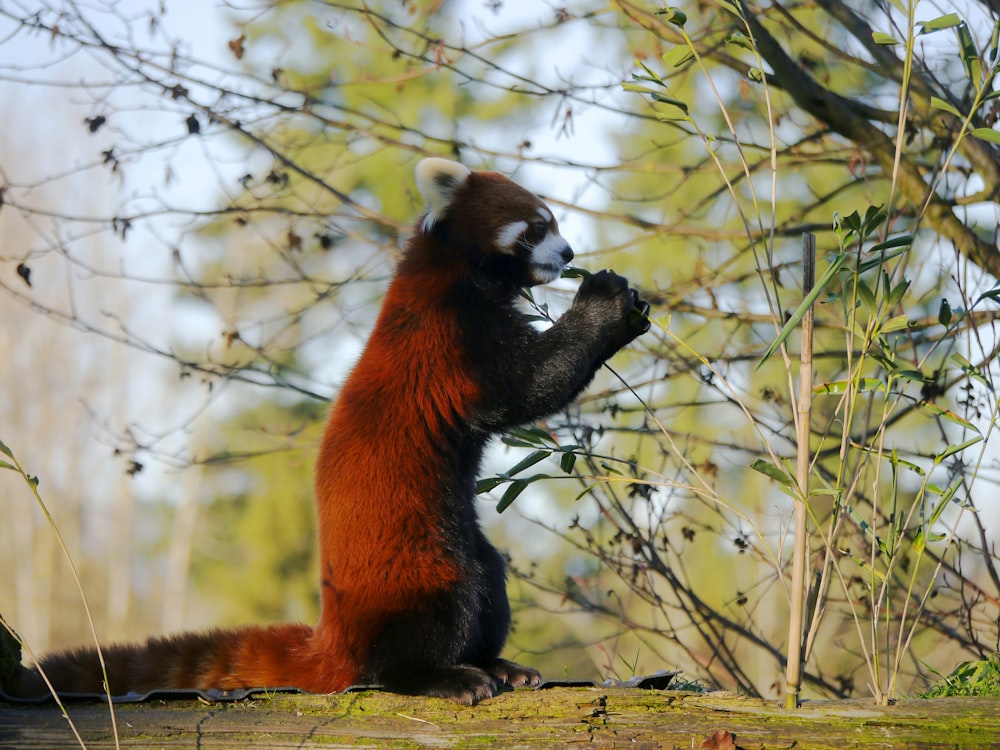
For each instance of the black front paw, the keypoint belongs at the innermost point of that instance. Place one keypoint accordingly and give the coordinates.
(638, 316)
(611, 305)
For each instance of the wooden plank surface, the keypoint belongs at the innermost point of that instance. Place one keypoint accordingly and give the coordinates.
(558, 717)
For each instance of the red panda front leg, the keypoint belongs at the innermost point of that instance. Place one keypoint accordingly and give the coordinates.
(610, 310)
(606, 315)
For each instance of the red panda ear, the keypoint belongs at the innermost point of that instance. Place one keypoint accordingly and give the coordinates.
(438, 179)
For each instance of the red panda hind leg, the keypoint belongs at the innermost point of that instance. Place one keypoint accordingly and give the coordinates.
(448, 644)
(513, 674)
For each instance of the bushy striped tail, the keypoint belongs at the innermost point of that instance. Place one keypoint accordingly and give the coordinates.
(248, 657)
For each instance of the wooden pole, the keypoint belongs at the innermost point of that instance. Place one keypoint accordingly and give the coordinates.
(796, 615)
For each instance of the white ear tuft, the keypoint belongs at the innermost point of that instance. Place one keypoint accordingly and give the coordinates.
(438, 179)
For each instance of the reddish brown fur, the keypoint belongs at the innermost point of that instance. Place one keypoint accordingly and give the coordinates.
(375, 476)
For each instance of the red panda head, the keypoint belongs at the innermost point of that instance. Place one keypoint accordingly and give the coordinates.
(497, 224)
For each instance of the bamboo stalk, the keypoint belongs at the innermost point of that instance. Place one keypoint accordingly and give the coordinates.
(793, 669)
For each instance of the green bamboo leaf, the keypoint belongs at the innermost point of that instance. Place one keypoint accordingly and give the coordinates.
(677, 56)
(770, 470)
(897, 292)
(895, 460)
(898, 323)
(487, 484)
(874, 217)
(826, 492)
(673, 116)
(739, 39)
(944, 313)
(910, 466)
(671, 101)
(567, 462)
(516, 442)
(949, 415)
(945, 106)
(949, 21)
(970, 369)
(900, 245)
(527, 461)
(5, 465)
(852, 222)
(951, 450)
(867, 529)
(863, 385)
(529, 437)
(636, 88)
(986, 134)
(867, 296)
(5, 450)
(946, 498)
(610, 469)
(729, 7)
(510, 494)
(913, 375)
(970, 56)
(920, 540)
(993, 294)
(863, 564)
(881, 38)
(516, 487)
(650, 76)
(796, 318)
(903, 240)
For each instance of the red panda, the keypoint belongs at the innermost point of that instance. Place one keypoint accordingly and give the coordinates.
(413, 595)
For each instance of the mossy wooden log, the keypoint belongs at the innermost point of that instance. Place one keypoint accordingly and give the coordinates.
(558, 717)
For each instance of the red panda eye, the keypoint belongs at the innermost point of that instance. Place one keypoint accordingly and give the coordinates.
(539, 229)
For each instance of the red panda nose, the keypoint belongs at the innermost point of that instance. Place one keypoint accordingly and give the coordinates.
(566, 254)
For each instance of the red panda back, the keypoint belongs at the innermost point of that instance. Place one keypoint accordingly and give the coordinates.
(380, 519)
